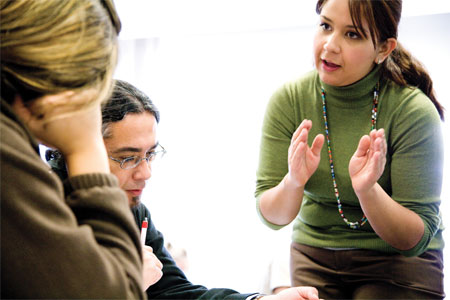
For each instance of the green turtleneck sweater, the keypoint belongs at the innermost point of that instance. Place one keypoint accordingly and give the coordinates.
(414, 162)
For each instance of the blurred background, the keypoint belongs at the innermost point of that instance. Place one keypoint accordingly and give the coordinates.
(211, 66)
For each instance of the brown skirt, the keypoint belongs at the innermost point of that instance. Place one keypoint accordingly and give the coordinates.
(366, 274)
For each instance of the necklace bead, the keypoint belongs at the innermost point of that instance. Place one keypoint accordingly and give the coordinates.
(360, 223)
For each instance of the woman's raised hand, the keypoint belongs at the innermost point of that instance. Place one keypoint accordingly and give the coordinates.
(367, 164)
(302, 159)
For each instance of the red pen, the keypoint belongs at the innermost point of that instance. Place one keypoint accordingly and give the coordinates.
(144, 231)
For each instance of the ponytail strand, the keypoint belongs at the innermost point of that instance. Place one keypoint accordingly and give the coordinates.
(404, 69)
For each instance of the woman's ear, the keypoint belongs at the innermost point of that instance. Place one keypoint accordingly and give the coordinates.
(21, 109)
(385, 49)
(40, 106)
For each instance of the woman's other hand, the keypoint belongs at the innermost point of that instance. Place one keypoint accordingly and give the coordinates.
(367, 164)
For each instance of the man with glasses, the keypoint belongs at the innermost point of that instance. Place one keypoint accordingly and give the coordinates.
(129, 131)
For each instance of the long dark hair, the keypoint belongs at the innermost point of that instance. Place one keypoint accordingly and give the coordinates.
(125, 99)
(383, 17)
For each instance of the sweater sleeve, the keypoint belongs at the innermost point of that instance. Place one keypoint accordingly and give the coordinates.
(83, 246)
(416, 149)
(277, 130)
(174, 284)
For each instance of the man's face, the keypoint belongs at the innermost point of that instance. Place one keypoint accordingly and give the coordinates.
(135, 135)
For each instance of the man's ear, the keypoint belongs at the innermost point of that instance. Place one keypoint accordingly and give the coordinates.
(385, 49)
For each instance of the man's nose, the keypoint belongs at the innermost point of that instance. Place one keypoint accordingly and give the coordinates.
(143, 171)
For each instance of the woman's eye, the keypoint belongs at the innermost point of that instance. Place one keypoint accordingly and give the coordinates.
(325, 26)
(353, 35)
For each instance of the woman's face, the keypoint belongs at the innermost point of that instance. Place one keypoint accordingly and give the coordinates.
(341, 55)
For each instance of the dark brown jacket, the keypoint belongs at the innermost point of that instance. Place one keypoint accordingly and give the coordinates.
(76, 241)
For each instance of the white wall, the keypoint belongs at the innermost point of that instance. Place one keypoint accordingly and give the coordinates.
(212, 85)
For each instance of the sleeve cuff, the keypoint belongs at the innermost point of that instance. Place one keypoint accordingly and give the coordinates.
(86, 181)
(255, 296)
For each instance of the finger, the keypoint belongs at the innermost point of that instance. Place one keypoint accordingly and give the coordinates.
(158, 276)
(377, 134)
(301, 139)
(313, 294)
(363, 146)
(377, 165)
(146, 247)
(158, 263)
(308, 292)
(383, 147)
(380, 143)
(147, 251)
(373, 137)
(383, 142)
(381, 157)
(381, 132)
(317, 144)
(297, 155)
(304, 124)
(155, 259)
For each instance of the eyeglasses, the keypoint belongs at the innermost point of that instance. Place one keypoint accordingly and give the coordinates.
(133, 161)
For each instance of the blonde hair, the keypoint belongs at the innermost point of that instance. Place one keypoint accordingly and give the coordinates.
(51, 46)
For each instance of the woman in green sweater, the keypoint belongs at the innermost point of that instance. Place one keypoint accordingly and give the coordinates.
(365, 204)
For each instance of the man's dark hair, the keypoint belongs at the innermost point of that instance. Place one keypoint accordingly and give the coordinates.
(125, 99)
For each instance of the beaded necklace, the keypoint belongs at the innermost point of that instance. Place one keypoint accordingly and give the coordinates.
(360, 223)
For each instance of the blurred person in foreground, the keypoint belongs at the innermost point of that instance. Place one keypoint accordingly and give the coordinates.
(76, 240)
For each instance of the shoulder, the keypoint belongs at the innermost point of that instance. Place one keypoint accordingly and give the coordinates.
(406, 102)
(409, 118)
(299, 85)
(291, 92)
